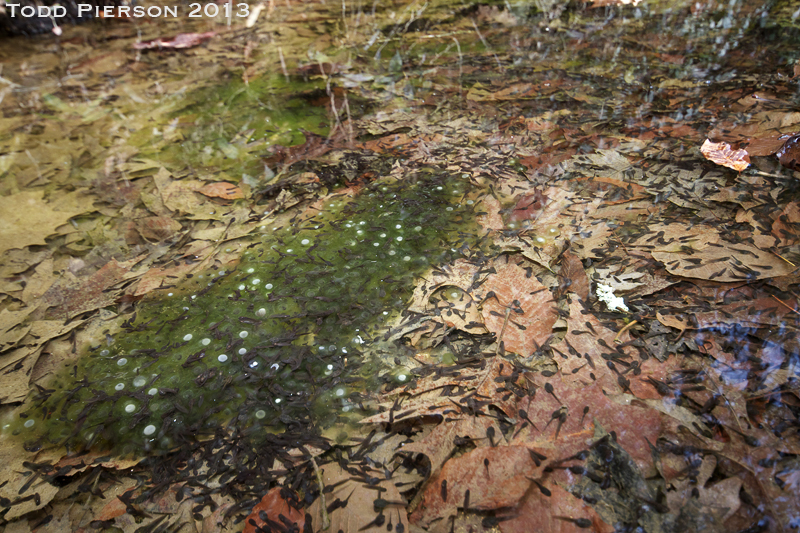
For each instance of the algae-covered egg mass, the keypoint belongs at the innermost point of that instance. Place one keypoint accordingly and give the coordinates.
(277, 339)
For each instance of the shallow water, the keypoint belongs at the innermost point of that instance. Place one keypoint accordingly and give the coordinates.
(561, 137)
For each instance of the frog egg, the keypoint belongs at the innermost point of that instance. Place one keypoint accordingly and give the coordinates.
(222, 358)
(417, 228)
(149, 430)
(407, 258)
(340, 392)
(105, 352)
(139, 382)
(305, 242)
(392, 252)
(122, 362)
(130, 408)
(242, 351)
(399, 239)
(376, 244)
(329, 370)
(553, 231)
(187, 337)
(251, 270)
(119, 386)
(152, 392)
(205, 342)
(398, 226)
(256, 281)
(29, 423)
(260, 414)
(261, 312)
(243, 334)
(540, 240)
(268, 286)
(242, 287)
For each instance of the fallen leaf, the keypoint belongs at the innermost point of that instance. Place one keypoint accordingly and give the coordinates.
(26, 218)
(221, 189)
(722, 154)
(360, 513)
(495, 477)
(180, 41)
(522, 312)
(276, 508)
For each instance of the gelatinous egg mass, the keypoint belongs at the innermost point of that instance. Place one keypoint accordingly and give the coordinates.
(273, 341)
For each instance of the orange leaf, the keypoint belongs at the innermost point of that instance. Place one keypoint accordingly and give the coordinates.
(723, 154)
(274, 505)
(222, 189)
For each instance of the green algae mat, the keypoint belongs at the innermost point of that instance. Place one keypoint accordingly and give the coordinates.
(501, 267)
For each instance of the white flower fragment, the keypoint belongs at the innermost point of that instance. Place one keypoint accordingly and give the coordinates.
(614, 303)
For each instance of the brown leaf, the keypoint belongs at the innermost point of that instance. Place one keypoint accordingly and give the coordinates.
(274, 505)
(724, 262)
(424, 398)
(221, 189)
(359, 514)
(789, 154)
(496, 478)
(439, 444)
(72, 299)
(572, 277)
(522, 312)
(722, 154)
(26, 218)
(633, 424)
(182, 40)
(538, 512)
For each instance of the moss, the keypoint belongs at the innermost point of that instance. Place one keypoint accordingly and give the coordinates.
(277, 341)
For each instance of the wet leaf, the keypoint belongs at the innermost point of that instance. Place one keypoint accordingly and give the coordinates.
(277, 509)
(722, 154)
(352, 502)
(221, 189)
(180, 41)
(522, 311)
(27, 218)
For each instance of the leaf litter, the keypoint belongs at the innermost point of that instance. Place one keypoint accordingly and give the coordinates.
(526, 404)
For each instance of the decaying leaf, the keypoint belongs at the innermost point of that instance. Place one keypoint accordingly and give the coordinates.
(722, 154)
(521, 312)
(182, 40)
(221, 189)
(358, 507)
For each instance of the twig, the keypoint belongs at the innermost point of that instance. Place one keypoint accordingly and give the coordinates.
(326, 523)
(623, 330)
(502, 331)
(787, 306)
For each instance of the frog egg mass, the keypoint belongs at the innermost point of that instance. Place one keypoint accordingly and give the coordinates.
(263, 345)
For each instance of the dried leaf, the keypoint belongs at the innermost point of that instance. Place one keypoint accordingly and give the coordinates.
(722, 154)
(221, 189)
